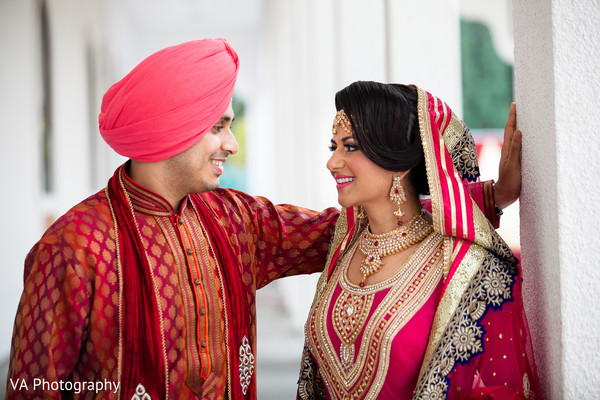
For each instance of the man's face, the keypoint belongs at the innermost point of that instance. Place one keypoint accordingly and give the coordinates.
(198, 168)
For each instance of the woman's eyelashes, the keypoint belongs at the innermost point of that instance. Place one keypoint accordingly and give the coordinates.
(348, 147)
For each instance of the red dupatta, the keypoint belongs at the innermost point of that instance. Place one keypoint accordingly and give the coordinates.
(236, 303)
(479, 345)
(142, 360)
(141, 342)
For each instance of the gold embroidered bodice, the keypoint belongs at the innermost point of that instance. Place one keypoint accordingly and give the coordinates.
(350, 329)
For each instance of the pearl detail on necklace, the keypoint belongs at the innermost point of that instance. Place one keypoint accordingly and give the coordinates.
(374, 247)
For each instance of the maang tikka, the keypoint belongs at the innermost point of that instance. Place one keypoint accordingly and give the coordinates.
(397, 197)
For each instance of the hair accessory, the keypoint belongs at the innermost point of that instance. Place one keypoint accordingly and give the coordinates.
(341, 119)
(397, 196)
(374, 247)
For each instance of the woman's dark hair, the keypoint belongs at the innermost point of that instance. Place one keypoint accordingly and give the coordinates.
(385, 124)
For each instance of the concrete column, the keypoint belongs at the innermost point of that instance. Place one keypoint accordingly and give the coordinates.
(71, 142)
(424, 47)
(20, 151)
(288, 155)
(361, 41)
(557, 59)
(303, 70)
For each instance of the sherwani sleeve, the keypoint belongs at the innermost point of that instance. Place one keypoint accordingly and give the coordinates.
(51, 319)
(283, 240)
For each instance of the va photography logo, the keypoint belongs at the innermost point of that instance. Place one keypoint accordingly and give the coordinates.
(40, 384)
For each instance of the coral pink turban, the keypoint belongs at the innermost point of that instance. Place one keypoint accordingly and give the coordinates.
(169, 100)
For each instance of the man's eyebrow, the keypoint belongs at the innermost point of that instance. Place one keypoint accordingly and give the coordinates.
(227, 118)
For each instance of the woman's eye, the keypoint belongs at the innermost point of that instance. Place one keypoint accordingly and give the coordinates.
(351, 147)
(332, 148)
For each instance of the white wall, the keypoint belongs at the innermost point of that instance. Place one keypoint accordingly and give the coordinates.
(20, 147)
(424, 47)
(557, 59)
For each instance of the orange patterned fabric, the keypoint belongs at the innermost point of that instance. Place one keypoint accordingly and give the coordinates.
(67, 334)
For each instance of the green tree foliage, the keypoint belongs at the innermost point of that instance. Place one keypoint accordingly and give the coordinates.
(487, 81)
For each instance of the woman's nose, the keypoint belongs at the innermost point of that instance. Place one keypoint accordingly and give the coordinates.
(335, 162)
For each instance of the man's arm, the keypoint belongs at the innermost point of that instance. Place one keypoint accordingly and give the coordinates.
(282, 240)
(49, 325)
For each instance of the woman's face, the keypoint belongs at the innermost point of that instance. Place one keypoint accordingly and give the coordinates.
(360, 182)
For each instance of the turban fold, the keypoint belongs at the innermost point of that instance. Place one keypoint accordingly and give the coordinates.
(169, 100)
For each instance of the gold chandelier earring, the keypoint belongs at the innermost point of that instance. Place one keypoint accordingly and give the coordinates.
(397, 196)
(361, 213)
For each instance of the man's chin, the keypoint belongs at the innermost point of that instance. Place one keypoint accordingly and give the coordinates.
(208, 186)
(213, 185)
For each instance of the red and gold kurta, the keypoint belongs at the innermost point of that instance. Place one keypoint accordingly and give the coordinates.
(68, 332)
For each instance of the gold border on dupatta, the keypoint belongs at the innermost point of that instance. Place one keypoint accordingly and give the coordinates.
(121, 289)
(120, 277)
(340, 239)
(432, 173)
(454, 292)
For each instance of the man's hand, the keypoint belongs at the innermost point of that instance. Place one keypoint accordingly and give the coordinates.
(508, 187)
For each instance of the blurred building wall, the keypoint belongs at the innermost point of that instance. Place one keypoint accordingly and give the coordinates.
(20, 151)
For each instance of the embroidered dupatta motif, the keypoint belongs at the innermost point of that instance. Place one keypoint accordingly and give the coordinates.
(481, 307)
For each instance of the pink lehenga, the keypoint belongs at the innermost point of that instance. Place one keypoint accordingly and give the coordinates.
(450, 323)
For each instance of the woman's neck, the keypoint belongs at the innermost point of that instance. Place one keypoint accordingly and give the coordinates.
(382, 218)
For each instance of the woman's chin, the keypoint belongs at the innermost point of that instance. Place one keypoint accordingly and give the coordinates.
(344, 204)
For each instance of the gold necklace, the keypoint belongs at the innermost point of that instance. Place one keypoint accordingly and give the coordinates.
(374, 247)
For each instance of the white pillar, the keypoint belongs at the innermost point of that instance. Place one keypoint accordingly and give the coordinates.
(301, 74)
(288, 153)
(20, 151)
(361, 41)
(73, 127)
(557, 59)
(424, 47)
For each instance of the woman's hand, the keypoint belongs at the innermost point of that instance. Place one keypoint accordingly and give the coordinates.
(508, 187)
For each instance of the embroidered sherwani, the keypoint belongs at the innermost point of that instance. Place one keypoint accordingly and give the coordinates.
(68, 325)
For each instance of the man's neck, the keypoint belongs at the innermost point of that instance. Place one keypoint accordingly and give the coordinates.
(152, 176)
